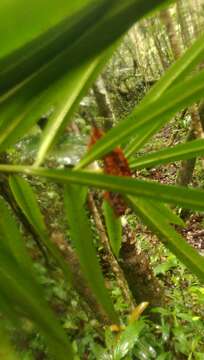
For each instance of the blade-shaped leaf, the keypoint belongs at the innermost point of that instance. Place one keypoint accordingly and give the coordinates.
(58, 99)
(7, 352)
(128, 339)
(178, 71)
(181, 68)
(75, 87)
(20, 289)
(81, 237)
(114, 227)
(188, 150)
(188, 198)
(25, 296)
(164, 108)
(143, 134)
(10, 237)
(84, 29)
(167, 213)
(171, 239)
(49, 27)
(27, 102)
(27, 201)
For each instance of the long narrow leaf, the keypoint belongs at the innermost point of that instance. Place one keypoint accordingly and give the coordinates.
(168, 214)
(86, 28)
(114, 227)
(24, 104)
(185, 151)
(10, 237)
(83, 242)
(27, 201)
(178, 71)
(78, 82)
(26, 297)
(20, 288)
(57, 25)
(7, 352)
(128, 339)
(143, 134)
(163, 109)
(171, 239)
(188, 198)
(181, 68)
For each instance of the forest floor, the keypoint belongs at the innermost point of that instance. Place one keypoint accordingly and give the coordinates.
(167, 174)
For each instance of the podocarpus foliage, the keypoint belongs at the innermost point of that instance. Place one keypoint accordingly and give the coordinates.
(46, 66)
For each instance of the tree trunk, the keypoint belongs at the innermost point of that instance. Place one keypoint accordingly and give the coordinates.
(176, 45)
(133, 272)
(142, 282)
(109, 257)
(158, 46)
(103, 102)
(183, 18)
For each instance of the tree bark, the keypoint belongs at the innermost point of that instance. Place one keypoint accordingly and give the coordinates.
(142, 282)
(115, 267)
(103, 102)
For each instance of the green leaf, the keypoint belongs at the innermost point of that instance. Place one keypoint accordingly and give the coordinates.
(6, 350)
(20, 289)
(187, 198)
(26, 298)
(114, 227)
(164, 108)
(82, 240)
(27, 201)
(83, 28)
(10, 237)
(167, 213)
(185, 151)
(44, 63)
(57, 101)
(171, 239)
(75, 85)
(47, 90)
(5, 309)
(177, 72)
(44, 36)
(168, 264)
(141, 136)
(128, 339)
(35, 22)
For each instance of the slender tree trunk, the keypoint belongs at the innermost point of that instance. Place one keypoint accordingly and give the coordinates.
(195, 9)
(138, 41)
(158, 47)
(104, 103)
(186, 170)
(183, 18)
(115, 267)
(142, 282)
(133, 272)
(201, 113)
(176, 45)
